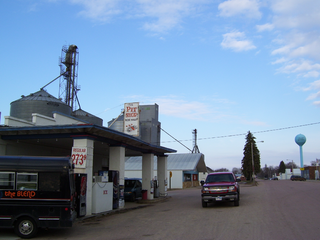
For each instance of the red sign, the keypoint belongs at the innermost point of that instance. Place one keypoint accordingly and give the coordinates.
(79, 157)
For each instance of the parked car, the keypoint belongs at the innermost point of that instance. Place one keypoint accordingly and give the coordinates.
(132, 188)
(297, 178)
(220, 186)
(274, 178)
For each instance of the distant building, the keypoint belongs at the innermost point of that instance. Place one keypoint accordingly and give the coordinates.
(187, 170)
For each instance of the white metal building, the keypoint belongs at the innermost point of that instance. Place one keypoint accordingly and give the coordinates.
(187, 170)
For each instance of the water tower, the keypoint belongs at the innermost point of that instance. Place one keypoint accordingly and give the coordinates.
(300, 140)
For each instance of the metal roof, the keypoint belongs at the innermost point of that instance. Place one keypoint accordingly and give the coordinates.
(98, 133)
(182, 161)
(40, 96)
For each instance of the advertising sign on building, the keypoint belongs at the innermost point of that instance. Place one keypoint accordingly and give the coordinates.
(131, 119)
(79, 157)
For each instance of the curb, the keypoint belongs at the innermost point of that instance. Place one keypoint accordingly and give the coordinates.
(140, 204)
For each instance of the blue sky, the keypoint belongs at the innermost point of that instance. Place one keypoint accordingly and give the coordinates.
(221, 67)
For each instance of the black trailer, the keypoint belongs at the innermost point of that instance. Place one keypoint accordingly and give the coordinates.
(36, 192)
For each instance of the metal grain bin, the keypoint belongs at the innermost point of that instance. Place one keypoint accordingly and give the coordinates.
(87, 117)
(39, 102)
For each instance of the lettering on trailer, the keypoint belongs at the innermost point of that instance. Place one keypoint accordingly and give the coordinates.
(19, 194)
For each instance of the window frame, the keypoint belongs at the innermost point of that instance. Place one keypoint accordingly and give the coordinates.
(13, 181)
(26, 182)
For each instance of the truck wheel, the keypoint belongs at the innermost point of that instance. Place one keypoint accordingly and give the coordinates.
(25, 227)
(204, 204)
(236, 201)
(133, 197)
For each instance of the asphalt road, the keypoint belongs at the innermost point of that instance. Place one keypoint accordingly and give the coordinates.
(271, 210)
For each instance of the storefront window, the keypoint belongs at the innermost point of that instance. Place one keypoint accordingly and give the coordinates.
(187, 177)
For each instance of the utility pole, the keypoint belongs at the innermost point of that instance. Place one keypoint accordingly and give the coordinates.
(195, 146)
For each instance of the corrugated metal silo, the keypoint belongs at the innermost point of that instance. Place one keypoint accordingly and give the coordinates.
(85, 116)
(39, 102)
(116, 125)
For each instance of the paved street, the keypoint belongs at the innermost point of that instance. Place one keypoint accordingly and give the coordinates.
(271, 210)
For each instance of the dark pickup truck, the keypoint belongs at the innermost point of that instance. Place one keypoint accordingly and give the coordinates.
(220, 186)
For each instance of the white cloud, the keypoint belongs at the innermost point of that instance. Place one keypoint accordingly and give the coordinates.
(247, 8)
(300, 44)
(99, 10)
(265, 27)
(299, 66)
(296, 13)
(207, 110)
(309, 49)
(280, 60)
(297, 25)
(314, 96)
(183, 109)
(313, 74)
(313, 85)
(301, 51)
(236, 41)
(317, 103)
(160, 16)
(167, 14)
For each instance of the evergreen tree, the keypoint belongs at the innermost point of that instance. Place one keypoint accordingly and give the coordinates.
(249, 148)
(282, 167)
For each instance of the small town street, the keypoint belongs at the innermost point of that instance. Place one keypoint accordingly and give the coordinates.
(271, 210)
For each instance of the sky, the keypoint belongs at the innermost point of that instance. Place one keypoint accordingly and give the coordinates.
(221, 67)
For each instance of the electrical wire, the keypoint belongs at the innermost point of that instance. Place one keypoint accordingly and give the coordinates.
(176, 140)
(241, 134)
(108, 109)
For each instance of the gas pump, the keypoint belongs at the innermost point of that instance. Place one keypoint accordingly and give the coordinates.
(156, 188)
(81, 190)
(165, 187)
(151, 187)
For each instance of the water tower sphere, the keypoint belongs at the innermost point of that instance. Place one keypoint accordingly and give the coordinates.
(300, 139)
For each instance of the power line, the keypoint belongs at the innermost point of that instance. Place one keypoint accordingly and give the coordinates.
(241, 134)
(176, 140)
(108, 109)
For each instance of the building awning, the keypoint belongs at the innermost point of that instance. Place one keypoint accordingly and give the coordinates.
(51, 134)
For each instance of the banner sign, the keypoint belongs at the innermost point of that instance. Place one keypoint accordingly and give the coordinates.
(131, 119)
(79, 157)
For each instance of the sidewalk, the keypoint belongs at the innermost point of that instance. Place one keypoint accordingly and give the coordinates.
(128, 206)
